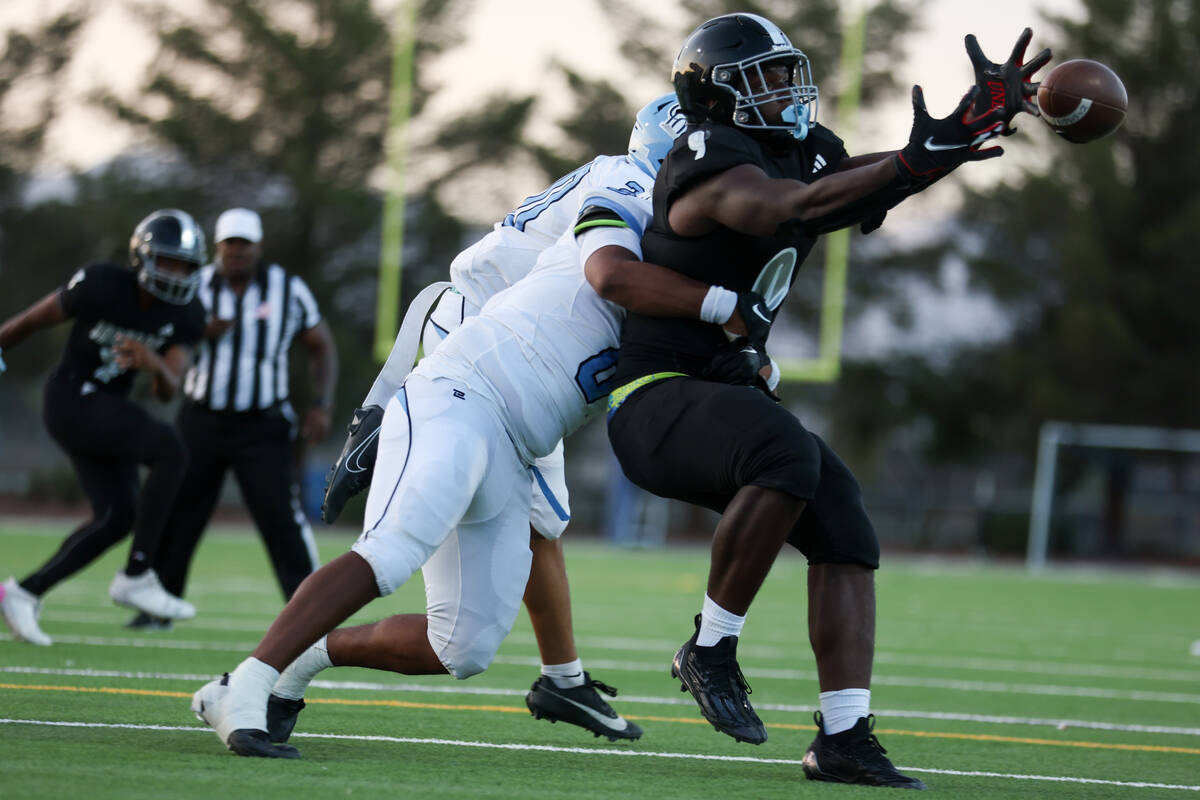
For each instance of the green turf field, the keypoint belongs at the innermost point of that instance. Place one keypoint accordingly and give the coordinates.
(989, 684)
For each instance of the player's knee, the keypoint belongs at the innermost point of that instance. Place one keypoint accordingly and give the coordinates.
(464, 648)
(464, 659)
(470, 664)
(791, 463)
(391, 563)
(549, 523)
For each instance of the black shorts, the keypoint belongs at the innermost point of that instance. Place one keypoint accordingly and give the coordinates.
(700, 442)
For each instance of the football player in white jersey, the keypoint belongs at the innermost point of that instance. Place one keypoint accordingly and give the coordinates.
(457, 450)
(564, 691)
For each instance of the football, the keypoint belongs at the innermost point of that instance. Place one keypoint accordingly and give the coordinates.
(1082, 100)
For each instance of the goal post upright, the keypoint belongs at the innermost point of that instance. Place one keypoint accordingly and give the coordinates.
(826, 367)
(391, 250)
(1054, 435)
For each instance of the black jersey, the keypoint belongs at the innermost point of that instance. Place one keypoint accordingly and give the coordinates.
(103, 299)
(723, 257)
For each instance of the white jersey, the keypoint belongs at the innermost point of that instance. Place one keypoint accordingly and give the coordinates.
(544, 350)
(509, 251)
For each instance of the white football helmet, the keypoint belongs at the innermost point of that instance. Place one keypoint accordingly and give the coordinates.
(657, 125)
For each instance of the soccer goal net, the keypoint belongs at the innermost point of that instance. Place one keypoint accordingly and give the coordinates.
(1055, 436)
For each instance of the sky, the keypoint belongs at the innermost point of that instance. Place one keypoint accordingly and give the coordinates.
(515, 39)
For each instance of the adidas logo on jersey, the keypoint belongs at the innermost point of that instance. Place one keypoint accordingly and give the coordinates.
(818, 163)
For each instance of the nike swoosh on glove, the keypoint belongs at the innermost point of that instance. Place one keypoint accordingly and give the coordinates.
(937, 146)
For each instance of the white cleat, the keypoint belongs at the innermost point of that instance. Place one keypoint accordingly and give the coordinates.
(145, 593)
(212, 706)
(21, 611)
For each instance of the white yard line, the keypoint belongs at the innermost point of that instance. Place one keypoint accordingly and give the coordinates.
(1004, 687)
(465, 689)
(661, 646)
(592, 751)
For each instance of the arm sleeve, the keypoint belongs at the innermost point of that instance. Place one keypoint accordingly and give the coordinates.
(609, 217)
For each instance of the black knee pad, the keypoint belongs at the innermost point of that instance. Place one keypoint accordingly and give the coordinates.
(835, 528)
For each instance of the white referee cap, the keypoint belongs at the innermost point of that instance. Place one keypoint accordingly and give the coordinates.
(239, 223)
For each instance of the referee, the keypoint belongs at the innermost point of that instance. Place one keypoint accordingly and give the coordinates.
(236, 415)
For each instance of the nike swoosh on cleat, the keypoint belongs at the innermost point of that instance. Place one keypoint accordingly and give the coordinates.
(607, 722)
(353, 462)
(760, 315)
(930, 145)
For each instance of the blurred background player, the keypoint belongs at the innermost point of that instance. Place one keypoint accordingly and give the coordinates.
(564, 691)
(236, 414)
(125, 320)
(745, 192)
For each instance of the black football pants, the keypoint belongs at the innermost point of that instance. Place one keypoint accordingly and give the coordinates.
(257, 447)
(106, 437)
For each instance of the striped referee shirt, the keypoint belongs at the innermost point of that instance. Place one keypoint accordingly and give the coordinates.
(246, 368)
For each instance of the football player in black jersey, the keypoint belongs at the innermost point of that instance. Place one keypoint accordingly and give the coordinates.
(738, 204)
(125, 320)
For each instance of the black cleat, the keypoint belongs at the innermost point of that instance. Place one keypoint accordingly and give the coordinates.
(148, 623)
(580, 705)
(254, 743)
(351, 473)
(853, 756)
(281, 717)
(714, 678)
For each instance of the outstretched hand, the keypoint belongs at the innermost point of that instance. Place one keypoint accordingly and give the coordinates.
(936, 146)
(1010, 85)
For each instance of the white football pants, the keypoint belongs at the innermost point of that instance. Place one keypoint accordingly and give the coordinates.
(451, 495)
(551, 504)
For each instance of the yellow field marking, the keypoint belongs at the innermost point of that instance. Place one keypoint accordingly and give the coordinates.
(335, 701)
(988, 737)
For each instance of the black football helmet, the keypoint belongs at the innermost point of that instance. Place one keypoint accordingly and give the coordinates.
(718, 75)
(173, 233)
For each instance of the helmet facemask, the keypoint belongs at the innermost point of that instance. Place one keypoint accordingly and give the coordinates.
(746, 81)
(167, 286)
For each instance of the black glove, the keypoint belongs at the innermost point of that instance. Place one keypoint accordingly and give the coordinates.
(1008, 85)
(936, 146)
(755, 315)
(737, 362)
(872, 223)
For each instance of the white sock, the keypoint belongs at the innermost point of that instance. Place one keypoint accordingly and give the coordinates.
(294, 680)
(717, 623)
(565, 676)
(840, 710)
(249, 687)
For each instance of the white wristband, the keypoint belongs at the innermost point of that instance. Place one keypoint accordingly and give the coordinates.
(718, 305)
(773, 378)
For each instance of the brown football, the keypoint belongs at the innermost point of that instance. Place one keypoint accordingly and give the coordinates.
(1082, 100)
